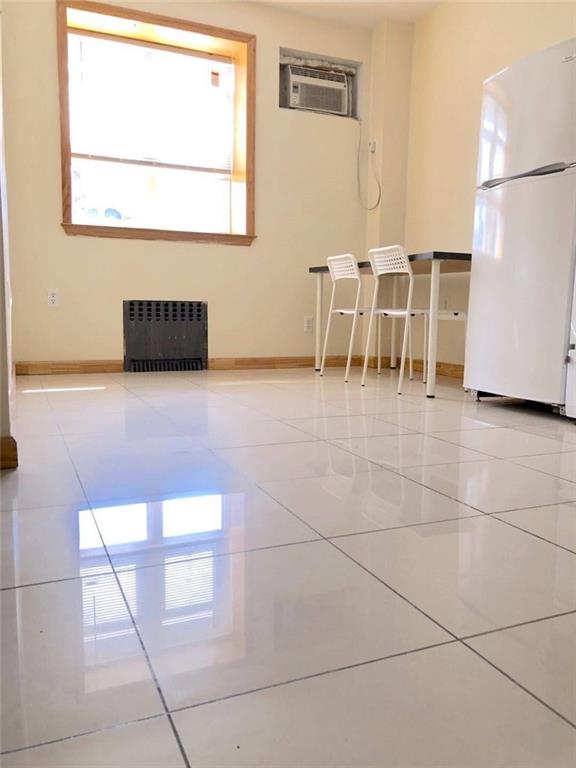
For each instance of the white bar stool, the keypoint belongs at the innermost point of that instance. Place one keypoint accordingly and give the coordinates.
(343, 267)
(393, 260)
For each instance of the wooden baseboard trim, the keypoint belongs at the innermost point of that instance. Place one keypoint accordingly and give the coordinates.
(46, 368)
(270, 363)
(8, 452)
(453, 370)
(49, 367)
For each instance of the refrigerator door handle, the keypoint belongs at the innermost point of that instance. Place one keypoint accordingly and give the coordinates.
(544, 170)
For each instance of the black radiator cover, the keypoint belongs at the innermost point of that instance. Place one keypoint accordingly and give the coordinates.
(165, 335)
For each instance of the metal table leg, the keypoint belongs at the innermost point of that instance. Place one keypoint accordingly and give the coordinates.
(318, 321)
(433, 327)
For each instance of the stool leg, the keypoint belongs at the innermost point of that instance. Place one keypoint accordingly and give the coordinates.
(369, 336)
(353, 330)
(406, 332)
(379, 343)
(425, 350)
(411, 368)
(328, 325)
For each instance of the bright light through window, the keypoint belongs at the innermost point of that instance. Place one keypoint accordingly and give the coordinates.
(159, 127)
(89, 536)
(193, 515)
(129, 102)
(126, 524)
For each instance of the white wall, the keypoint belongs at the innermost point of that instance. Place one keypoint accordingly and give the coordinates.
(306, 205)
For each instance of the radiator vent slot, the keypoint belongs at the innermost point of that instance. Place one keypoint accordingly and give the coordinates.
(151, 366)
(165, 336)
(142, 311)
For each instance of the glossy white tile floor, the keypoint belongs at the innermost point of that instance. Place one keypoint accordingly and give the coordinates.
(267, 568)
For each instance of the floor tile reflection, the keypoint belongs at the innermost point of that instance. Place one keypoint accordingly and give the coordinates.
(71, 659)
(164, 545)
(541, 656)
(217, 626)
(48, 544)
(340, 504)
(148, 744)
(178, 528)
(471, 575)
(440, 707)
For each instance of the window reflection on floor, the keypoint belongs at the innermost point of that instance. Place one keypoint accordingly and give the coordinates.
(192, 515)
(192, 593)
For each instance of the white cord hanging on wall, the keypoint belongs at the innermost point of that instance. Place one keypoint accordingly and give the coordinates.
(373, 168)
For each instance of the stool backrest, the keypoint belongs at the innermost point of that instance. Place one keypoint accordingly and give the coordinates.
(343, 267)
(389, 260)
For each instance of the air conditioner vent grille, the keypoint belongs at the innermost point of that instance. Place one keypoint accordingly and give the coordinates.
(319, 74)
(327, 99)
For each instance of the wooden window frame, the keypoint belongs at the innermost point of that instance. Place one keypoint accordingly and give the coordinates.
(164, 21)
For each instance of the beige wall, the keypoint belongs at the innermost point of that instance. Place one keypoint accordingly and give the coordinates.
(423, 86)
(6, 368)
(306, 205)
(456, 47)
(392, 50)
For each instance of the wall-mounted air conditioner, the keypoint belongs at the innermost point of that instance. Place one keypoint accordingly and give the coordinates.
(317, 89)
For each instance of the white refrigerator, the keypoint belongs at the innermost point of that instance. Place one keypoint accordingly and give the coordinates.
(521, 334)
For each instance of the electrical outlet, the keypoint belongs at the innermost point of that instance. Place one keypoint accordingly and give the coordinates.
(372, 147)
(308, 324)
(53, 297)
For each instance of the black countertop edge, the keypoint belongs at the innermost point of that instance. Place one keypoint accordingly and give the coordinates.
(427, 256)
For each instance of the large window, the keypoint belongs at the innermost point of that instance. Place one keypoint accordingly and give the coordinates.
(157, 126)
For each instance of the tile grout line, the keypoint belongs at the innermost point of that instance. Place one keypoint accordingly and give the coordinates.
(519, 624)
(514, 460)
(454, 636)
(532, 533)
(146, 655)
(80, 735)
(137, 631)
(319, 537)
(456, 639)
(313, 675)
(183, 559)
(467, 504)
(465, 644)
(328, 541)
(522, 687)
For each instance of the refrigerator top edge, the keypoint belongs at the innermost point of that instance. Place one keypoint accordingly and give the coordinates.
(570, 41)
(528, 115)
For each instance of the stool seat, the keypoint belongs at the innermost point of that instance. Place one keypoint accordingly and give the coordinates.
(395, 312)
(344, 267)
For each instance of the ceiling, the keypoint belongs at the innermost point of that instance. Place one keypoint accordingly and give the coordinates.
(359, 13)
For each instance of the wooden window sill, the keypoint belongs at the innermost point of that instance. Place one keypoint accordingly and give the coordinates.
(130, 233)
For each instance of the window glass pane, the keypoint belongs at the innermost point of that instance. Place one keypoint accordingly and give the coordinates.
(89, 536)
(102, 601)
(130, 101)
(189, 583)
(120, 194)
(126, 524)
(197, 514)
